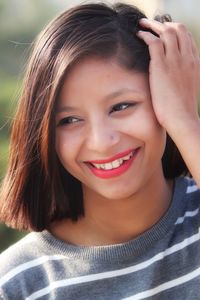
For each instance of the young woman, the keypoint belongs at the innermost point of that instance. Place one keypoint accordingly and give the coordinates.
(106, 127)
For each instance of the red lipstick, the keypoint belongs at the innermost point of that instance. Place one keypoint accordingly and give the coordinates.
(117, 156)
(106, 174)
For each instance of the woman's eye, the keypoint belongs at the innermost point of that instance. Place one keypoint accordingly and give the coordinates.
(121, 106)
(68, 121)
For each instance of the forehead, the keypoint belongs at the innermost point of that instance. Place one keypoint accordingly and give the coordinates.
(96, 78)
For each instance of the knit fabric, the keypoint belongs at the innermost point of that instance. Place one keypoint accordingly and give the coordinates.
(162, 263)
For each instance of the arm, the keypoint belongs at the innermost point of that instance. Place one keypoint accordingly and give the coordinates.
(174, 77)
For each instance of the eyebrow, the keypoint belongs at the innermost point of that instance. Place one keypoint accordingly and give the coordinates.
(106, 98)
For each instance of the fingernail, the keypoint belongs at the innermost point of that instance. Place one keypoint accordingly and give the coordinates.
(143, 20)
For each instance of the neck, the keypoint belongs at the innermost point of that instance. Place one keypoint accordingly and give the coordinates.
(115, 221)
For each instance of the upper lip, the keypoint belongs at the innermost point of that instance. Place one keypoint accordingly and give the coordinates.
(117, 156)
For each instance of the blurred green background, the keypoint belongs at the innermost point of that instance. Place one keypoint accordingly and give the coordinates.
(20, 21)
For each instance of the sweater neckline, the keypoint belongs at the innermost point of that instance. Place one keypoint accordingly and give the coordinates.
(134, 247)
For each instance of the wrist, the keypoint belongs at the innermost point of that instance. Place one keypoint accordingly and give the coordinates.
(183, 128)
(181, 121)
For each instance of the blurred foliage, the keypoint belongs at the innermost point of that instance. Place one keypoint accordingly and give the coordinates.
(9, 236)
(20, 21)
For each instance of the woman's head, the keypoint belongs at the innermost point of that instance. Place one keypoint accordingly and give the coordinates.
(37, 189)
(107, 135)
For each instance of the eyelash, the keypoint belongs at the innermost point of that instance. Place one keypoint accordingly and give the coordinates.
(126, 104)
(115, 108)
(65, 121)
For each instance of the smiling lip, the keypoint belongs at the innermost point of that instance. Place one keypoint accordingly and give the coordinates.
(106, 174)
(117, 156)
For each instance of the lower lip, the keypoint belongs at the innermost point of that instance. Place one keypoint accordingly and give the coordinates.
(105, 174)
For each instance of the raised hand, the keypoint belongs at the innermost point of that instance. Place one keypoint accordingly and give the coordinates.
(174, 72)
(174, 77)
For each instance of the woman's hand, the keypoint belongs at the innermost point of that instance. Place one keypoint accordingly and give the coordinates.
(174, 72)
(174, 77)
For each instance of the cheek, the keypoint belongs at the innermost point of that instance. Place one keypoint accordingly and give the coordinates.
(67, 146)
(144, 127)
(155, 139)
(154, 135)
(158, 133)
(142, 122)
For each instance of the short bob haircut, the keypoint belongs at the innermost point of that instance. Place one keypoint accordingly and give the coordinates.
(37, 190)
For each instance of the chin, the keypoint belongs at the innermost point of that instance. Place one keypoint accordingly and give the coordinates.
(117, 195)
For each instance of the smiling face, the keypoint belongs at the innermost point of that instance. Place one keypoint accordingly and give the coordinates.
(107, 135)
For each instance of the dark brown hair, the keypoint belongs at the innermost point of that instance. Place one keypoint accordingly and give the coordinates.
(37, 189)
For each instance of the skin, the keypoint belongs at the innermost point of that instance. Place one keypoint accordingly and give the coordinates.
(140, 196)
(175, 64)
(168, 106)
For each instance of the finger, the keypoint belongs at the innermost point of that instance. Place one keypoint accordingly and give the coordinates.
(196, 57)
(170, 40)
(167, 34)
(154, 25)
(156, 46)
(195, 51)
(184, 41)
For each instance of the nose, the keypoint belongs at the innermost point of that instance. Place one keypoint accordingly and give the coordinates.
(102, 137)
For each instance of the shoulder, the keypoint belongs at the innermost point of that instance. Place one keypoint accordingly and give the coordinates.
(187, 199)
(17, 253)
(14, 261)
(187, 193)
(29, 265)
(14, 258)
(187, 187)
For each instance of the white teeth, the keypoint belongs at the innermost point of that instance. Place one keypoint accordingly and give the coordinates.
(127, 157)
(108, 166)
(97, 166)
(120, 161)
(114, 164)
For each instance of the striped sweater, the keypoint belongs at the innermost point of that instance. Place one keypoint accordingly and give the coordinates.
(162, 263)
